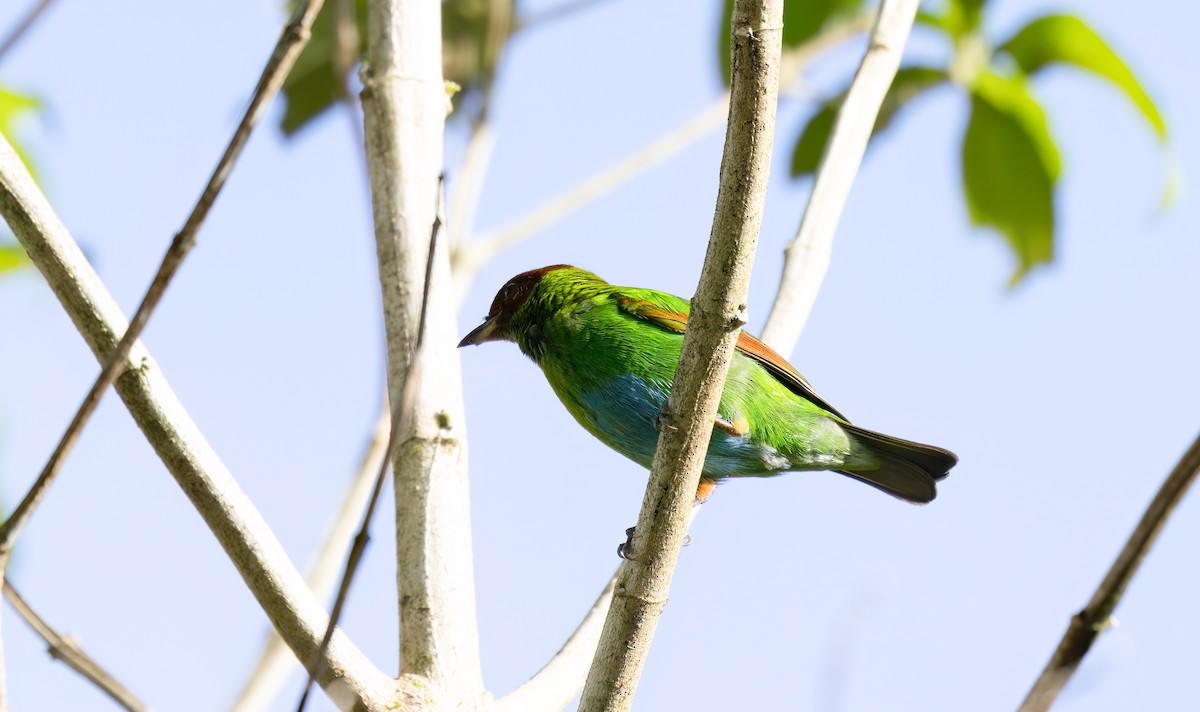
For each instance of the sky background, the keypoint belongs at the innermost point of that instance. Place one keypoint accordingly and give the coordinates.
(1067, 399)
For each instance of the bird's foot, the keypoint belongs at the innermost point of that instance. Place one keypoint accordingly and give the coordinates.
(625, 551)
(662, 421)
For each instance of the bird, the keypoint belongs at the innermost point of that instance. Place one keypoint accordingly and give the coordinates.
(610, 353)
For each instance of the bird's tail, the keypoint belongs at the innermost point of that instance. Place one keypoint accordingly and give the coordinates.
(903, 469)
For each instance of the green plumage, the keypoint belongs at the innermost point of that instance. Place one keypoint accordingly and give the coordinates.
(610, 355)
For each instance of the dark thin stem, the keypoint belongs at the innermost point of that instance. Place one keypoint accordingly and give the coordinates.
(291, 42)
(363, 537)
(68, 651)
(1087, 624)
(18, 32)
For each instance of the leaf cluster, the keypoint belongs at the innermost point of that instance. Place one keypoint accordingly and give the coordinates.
(1010, 158)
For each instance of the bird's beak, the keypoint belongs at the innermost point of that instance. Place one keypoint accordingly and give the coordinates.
(487, 331)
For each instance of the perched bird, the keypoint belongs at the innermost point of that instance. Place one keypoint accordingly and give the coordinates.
(610, 355)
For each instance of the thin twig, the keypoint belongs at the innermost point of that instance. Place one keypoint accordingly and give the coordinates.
(65, 648)
(806, 259)
(291, 42)
(470, 256)
(718, 311)
(228, 513)
(18, 32)
(276, 660)
(364, 537)
(1087, 624)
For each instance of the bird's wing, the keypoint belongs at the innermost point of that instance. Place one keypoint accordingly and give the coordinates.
(671, 313)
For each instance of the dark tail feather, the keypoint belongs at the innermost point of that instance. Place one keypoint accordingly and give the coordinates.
(907, 470)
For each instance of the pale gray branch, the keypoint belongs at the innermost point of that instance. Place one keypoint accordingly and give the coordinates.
(718, 311)
(64, 648)
(1087, 624)
(277, 661)
(806, 259)
(471, 255)
(349, 677)
(404, 105)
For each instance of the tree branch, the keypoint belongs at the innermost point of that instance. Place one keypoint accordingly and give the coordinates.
(229, 514)
(65, 648)
(718, 312)
(1087, 624)
(291, 42)
(806, 259)
(18, 32)
(404, 106)
(277, 661)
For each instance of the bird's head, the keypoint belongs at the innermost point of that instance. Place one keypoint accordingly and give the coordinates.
(507, 317)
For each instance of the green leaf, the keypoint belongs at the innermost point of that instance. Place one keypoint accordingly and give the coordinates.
(908, 84)
(1010, 166)
(313, 85)
(13, 106)
(12, 257)
(802, 20)
(470, 53)
(957, 18)
(1068, 39)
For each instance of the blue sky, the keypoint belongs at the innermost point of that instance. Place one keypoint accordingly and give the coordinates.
(1068, 399)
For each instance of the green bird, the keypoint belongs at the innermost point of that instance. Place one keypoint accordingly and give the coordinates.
(610, 355)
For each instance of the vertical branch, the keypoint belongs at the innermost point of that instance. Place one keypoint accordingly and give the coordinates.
(718, 311)
(404, 107)
(1087, 624)
(806, 259)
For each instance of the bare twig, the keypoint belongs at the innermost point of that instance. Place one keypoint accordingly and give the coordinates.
(18, 32)
(1087, 624)
(718, 311)
(65, 648)
(404, 104)
(276, 660)
(291, 42)
(405, 407)
(470, 256)
(806, 259)
(229, 514)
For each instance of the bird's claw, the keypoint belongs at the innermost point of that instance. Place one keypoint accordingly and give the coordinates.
(662, 421)
(625, 551)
